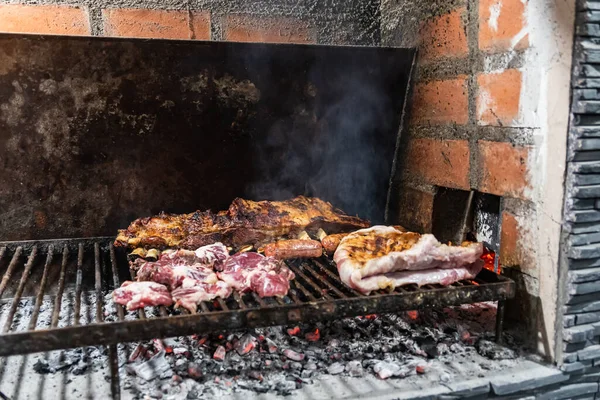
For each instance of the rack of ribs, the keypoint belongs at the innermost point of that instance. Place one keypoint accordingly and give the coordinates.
(245, 223)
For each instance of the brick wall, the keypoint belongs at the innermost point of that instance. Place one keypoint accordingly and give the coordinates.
(280, 21)
(466, 130)
(479, 122)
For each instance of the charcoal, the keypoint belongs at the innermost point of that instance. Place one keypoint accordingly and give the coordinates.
(285, 388)
(386, 346)
(354, 368)
(494, 351)
(156, 367)
(80, 368)
(194, 371)
(219, 353)
(336, 368)
(292, 355)
(310, 366)
(295, 365)
(385, 369)
(245, 344)
(48, 367)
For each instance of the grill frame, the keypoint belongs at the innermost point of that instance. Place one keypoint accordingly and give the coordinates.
(304, 304)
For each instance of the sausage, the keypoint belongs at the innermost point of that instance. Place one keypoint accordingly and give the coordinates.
(294, 248)
(331, 242)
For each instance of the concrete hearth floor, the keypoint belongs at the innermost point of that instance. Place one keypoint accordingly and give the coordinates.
(459, 379)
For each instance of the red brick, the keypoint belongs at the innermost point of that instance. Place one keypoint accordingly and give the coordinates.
(502, 25)
(439, 162)
(503, 169)
(498, 97)
(441, 102)
(444, 36)
(164, 24)
(52, 20)
(416, 209)
(247, 28)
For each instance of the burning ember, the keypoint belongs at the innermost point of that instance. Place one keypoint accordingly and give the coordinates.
(293, 331)
(488, 257)
(283, 359)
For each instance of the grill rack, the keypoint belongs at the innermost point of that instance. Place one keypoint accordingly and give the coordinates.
(92, 266)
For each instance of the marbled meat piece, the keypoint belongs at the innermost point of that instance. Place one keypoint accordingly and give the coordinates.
(372, 258)
(177, 275)
(190, 297)
(252, 271)
(245, 222)
(210, 255)
(136, 295)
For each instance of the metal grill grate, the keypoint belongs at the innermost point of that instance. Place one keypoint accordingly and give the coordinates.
(44, 272)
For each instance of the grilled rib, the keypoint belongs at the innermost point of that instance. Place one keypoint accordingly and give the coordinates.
(245, 222)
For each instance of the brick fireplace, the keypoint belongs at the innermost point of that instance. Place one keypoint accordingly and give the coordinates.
(491, 116)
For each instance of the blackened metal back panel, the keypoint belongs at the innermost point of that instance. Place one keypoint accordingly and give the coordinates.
(95, 132)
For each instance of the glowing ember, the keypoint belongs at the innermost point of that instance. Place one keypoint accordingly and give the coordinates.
(413, 314)
(488, 257)
(420, 369)
(293, 331)
(369, 317)
(313, 336)
(219, 353)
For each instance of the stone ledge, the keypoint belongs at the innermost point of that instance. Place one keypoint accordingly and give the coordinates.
(528, 376)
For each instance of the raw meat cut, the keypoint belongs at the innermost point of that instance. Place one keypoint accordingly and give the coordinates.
(379, 258)
(252, 271)
(190, 297)
(176, 276)
(136, 295)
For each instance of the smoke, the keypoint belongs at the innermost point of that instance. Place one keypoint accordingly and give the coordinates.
(338, 145)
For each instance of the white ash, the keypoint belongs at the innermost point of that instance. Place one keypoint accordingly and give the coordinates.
(437, 346)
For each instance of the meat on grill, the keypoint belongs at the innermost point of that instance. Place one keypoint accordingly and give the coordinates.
(331, 242)
(176, 276)
(182, 268)
(136, 295)
(190, 297)
(245, 222)
(252, 271)
(384, 257)
(294, 248)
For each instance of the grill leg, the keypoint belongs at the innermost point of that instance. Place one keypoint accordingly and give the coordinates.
(499, 321)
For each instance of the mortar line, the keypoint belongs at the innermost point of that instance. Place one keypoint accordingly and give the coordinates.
(473, 45)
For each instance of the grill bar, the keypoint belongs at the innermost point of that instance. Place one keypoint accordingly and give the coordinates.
(9, 271)
(61, 288)
(78, 287)
(316, 294)
(40, 295)
(19, 293)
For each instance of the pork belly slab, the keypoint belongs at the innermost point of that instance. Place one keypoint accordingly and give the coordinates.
(384, 257)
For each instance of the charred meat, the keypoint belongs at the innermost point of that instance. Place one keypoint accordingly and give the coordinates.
(246, 222)
(384, 257)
